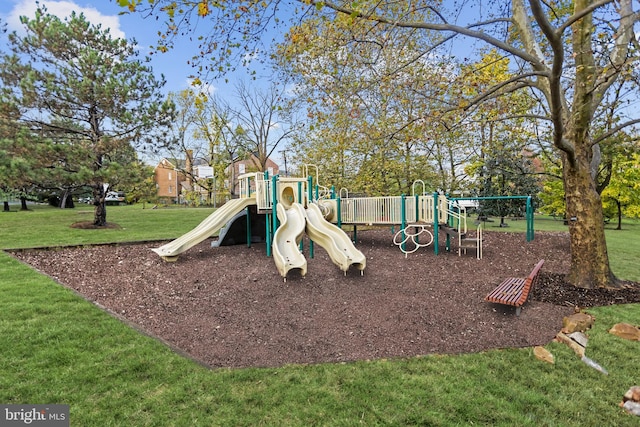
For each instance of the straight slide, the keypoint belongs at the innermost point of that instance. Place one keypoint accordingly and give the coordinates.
(334, 240)
(286, 252)
(207, 228)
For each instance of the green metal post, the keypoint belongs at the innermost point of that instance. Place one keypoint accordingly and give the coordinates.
(274, 202)
(435, 223)
(403, 219)
(268, 236)
(301, 246)
(248, 227)
(529, 216)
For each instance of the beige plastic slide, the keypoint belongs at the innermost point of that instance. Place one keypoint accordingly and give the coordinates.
(204, 230)
(334, 240)
(286, 252)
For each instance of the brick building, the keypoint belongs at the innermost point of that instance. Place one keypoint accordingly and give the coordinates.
(169, 179)
(172, 182)
(246, 166)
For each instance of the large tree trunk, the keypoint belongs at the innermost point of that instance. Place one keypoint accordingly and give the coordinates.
(589, 258)
(100, 210)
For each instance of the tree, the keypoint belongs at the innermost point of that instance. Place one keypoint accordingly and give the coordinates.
(622, 195)
(143, 189)
(264, 122)
(567, 56)
(362, 125)
(86, 99)
(213, 124)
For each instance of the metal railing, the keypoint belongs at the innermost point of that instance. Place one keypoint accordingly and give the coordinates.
(382, 210)
(390, 210)
(372, 210)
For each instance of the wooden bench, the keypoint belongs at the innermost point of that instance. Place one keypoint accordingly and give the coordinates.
(514, 291)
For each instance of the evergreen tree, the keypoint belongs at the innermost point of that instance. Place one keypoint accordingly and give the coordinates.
(86, 99)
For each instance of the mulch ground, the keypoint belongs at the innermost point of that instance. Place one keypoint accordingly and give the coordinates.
(229, 307)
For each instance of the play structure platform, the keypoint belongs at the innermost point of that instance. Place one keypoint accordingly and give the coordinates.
(292, 207)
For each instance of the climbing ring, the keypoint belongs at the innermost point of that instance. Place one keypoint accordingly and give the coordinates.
(419, 229)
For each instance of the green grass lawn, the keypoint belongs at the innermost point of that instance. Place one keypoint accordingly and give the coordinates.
(59, 348)
(44, 226)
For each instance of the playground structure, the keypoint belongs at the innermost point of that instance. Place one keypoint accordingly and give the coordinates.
(292, 206)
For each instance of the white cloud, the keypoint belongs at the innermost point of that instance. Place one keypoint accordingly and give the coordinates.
(63, 9)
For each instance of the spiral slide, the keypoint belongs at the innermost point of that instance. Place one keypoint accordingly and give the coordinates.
(286, 252)
(334, 240)
(207, 228)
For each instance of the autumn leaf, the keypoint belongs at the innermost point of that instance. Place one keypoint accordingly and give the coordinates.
(203, 8)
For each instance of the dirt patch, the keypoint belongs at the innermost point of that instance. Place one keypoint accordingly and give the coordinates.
(89, 225)
(229, 307)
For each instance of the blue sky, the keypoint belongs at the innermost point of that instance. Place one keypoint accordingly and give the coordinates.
(172, 64)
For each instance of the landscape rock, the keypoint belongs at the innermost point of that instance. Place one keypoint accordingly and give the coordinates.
(579, 337)
(626, 331)
(631, 400)
(631, 407)
(543, 354)
(632, 394)
(577, 322)
(575, 346)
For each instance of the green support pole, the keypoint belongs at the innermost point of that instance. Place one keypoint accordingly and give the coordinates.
(403, 219)
(435, 223)
(268, 234)
(248, 227)
(529, 215)
(267, 231)
(301, 246)
(274, 202)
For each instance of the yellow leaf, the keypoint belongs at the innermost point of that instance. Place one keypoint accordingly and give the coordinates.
(203, 8)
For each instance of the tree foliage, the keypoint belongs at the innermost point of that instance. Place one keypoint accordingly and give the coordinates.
(86, 101)
(358, 83)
